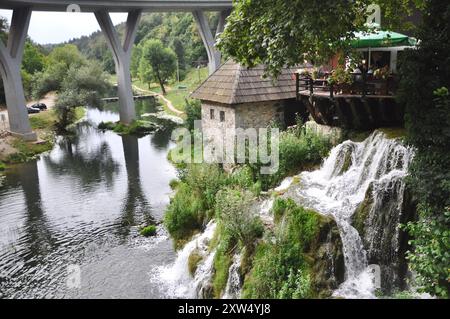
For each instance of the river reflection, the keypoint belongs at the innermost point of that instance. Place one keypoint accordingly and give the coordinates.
(81, 204)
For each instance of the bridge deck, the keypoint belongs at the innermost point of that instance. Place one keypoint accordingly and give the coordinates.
(120, 5)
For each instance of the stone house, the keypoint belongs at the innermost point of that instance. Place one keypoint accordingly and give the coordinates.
(238, 97)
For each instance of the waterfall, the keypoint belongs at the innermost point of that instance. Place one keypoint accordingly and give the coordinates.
(340, 186)
(234, 283)
(176, 278)
(371, 171)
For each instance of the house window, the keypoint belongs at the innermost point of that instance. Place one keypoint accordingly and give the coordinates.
(211, 113)
(222, 116)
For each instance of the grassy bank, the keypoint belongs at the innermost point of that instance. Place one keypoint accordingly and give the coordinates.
(43, 124)
(177, 93)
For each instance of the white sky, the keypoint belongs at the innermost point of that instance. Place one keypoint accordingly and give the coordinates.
(57, 27)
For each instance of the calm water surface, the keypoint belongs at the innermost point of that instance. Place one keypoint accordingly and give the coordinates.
(81, 205)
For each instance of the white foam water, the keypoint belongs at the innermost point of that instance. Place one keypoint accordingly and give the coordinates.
(234, 283)
(340, 186)
(177, 280)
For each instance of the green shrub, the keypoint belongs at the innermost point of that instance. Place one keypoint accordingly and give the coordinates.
(174, 183)
(148, 231)
(278, 209)
(205, 181)
(2, 166)
(300, 149)
(424, 91)
(280, 267)
(430, 259)
(193, 204)
(184, 215)
(193, 113)
(233, 210)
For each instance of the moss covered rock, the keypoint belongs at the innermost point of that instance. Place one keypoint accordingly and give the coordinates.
(326, 258)
(361, 214)
(377, 220)
(193, 261)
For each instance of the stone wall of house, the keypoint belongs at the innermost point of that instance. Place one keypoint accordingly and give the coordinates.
(211, 124)
(219, 129)
(258, 115)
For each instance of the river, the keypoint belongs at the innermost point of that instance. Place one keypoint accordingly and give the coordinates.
(75, 213)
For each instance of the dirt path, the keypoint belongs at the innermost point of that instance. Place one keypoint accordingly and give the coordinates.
(168, 102)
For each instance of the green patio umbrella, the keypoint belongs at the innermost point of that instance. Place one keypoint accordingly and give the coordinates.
(379, 39)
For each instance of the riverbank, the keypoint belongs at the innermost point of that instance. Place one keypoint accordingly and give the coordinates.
(14, 150)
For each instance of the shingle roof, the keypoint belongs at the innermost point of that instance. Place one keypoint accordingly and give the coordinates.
(235, 84)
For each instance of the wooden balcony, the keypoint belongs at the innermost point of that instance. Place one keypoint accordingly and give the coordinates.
(367, 103)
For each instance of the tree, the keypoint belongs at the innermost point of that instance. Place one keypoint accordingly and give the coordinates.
(286, 32)
(82, 85)
(162, 61)
(33, 59)
(135, 60)
(424, 90)
(3, 29)
(145, 73)
(60, 61)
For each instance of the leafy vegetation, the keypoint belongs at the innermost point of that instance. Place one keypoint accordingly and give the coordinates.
(193, 204)
(2, 166)
(299, 30)
(138, 127)
(148, 231)
(193, 113)
(300, 149)
(176, 31)
(26, 151)
(157, 63)
(431, 256)
(233, 210)
(280, 268)
(424, 91)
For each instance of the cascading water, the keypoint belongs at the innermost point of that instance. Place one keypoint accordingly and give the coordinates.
(234, 283)
(353, 172)
(176, 278)
(340, 186)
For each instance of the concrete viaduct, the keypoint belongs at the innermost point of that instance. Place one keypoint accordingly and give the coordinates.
(11, 53)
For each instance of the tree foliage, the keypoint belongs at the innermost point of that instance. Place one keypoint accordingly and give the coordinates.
(288, 32)
(425, 93)
(177, 31)
(82, 85)
(157, 62)
(60, 61)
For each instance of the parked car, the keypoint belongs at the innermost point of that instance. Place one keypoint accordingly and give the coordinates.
(32, 110)
(40, 106)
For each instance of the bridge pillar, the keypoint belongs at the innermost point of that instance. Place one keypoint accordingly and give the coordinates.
(214, 55)
(122, 58)
(10, 63)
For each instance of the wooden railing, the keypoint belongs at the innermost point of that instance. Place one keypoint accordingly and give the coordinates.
(363, 84)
